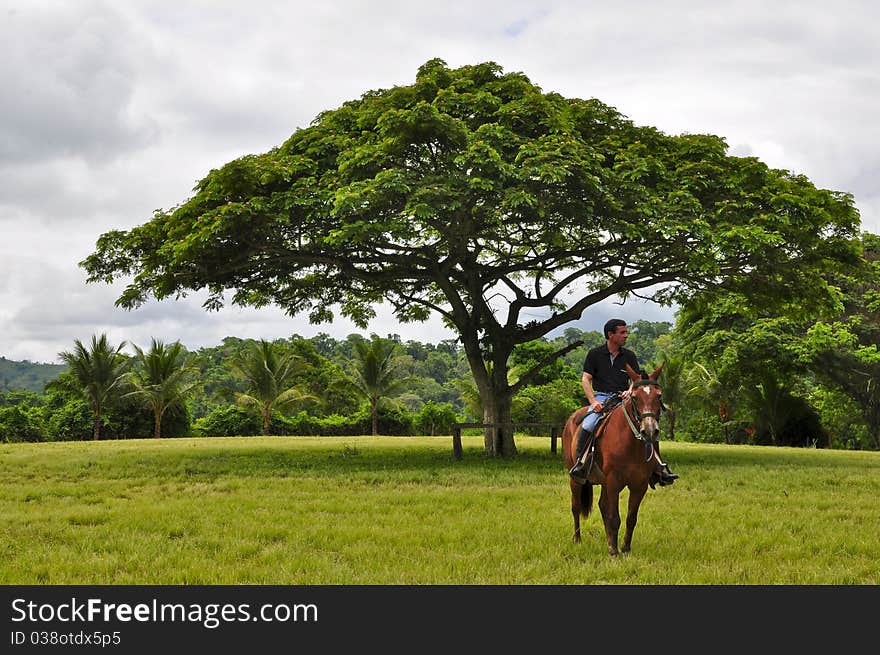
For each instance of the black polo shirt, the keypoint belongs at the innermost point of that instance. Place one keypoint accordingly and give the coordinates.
(610, 375)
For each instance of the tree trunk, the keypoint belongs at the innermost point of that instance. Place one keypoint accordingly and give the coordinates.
(671, 414)
(374, 415)
(96, 427)
(495, 396)
(724, 415)
(157, 425)
(499, 441)
(267, 420)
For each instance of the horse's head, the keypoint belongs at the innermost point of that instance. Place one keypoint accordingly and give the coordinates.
(646, 401)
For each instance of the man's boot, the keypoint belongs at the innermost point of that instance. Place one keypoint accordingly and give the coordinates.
(580, 470)
(662, 475)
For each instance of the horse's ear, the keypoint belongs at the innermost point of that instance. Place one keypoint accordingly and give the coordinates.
(632, 373)
(656, 372)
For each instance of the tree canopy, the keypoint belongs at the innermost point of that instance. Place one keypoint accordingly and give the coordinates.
(508, 211)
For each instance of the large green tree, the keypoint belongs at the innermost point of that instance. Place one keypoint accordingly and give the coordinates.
(507, 211)
(761, 367)
(847, 353)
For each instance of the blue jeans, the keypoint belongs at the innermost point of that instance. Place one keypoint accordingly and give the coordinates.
(590, 420)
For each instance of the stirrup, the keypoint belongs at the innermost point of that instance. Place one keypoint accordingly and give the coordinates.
(666, 476)
(585, 462)
(578, 476)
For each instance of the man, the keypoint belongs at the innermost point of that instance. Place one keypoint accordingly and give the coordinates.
(605, 376)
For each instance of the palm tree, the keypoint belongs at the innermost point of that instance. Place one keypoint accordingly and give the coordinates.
(162, 380)
(708, 386)
(269, 377)
(673, 380)
(376, 375)
(98, 372)
(470, 396)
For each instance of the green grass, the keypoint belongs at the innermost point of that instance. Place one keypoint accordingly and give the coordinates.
(367, 510)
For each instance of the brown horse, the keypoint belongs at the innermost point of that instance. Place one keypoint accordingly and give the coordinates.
(627, 452)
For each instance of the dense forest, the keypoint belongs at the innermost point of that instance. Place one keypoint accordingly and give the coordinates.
(728, 378)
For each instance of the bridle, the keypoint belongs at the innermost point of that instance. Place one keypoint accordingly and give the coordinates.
(637, 415)
(640, 415)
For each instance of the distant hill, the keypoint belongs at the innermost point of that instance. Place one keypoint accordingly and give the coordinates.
(27, 375)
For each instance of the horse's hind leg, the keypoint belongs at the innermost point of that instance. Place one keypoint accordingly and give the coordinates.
(632, 515)
(576, 511)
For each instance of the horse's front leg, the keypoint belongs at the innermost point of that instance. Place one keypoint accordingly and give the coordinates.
(609, 503)
(632, 514)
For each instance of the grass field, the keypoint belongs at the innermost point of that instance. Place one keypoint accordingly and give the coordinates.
(383, 510)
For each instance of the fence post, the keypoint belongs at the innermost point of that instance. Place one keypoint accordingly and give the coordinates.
(456, 442)
(553, 431)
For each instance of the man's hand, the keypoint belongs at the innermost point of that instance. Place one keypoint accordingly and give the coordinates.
(596, 406)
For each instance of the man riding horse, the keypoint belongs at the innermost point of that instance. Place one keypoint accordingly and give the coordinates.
(605, 378)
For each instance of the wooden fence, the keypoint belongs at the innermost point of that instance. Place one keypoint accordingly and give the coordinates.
(555, 432)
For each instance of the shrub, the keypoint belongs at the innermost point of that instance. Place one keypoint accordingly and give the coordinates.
(553, 402)
(72, 421)
(21, 423)
(228, 421)
(435, 418)
(305, 424)
(130, 418)
(703, 428)
(393, 421)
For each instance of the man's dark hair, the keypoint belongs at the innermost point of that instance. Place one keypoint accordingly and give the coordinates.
(612, 325)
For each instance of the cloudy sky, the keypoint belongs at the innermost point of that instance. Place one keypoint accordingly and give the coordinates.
(112, 109)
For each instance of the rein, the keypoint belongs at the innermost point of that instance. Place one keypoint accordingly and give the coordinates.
(649, 444)
(638, 435)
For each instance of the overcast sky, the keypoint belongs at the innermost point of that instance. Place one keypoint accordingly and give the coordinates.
(112, 109)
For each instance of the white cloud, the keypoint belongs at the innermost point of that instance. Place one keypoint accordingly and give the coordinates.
(68, 73)
(112, 110)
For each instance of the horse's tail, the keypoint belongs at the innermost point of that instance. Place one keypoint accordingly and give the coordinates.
(569, 446)
(586, 499)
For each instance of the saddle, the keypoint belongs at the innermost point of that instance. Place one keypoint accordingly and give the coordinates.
(607, 408)
(594, 472)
